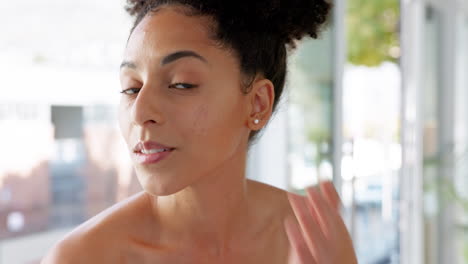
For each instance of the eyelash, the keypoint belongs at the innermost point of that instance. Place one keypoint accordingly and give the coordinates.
(130, 89)
(136, 90)
(189, 86)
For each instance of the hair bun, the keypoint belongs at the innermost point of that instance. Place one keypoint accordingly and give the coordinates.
(290, 20)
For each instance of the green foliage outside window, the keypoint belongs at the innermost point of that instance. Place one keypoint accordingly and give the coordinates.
(372, 31)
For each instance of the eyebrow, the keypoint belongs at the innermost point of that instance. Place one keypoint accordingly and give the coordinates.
(181, 54)
(128, 64)
(169, 58)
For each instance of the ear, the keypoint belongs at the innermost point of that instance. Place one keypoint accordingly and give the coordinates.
(262, 96)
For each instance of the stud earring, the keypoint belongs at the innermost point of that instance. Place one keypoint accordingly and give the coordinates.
(256, 121)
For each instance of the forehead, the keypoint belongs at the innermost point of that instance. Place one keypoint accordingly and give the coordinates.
(170, 29)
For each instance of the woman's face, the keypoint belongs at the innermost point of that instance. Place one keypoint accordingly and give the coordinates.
(183, 92)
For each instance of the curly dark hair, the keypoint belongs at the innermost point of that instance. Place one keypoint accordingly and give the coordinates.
(260, 32)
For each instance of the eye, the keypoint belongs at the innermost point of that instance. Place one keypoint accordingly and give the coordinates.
(130, 91)
(182, 86)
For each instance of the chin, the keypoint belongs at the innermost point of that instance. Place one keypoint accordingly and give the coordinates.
(158, 186)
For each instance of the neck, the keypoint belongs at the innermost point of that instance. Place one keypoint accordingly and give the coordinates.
(212, 213)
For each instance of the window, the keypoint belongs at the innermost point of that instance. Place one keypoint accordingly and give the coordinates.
(62, 156)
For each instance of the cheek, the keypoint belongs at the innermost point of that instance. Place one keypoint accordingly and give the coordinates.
(200, 121)
(215, 124)
(211, 123)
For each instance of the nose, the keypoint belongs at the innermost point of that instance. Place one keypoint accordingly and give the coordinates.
(147, 108)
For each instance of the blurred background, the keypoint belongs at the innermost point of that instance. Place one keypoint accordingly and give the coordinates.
(379, 104)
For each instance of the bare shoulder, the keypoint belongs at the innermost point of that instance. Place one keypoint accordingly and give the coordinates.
(272, 196)
(94, 240)
(73, 248)
(274, 204)
(62, 252)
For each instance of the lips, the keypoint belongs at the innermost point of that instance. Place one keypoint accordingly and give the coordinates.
(151, 152)
(150, 147)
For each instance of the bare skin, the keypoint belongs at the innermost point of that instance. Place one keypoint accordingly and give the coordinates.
(197, 205)
(126, 233)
